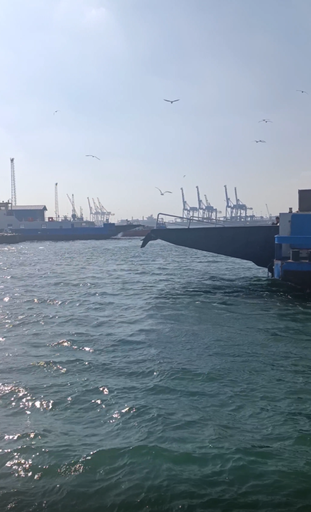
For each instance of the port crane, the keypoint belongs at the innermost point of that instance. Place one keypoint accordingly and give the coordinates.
(185, 205)
(106, 214)
(74, 215)
(240, 208)
(91, 209)
(201, 205)
(188, 211)
(96, 211)
(229, 205)
(206, 208)
(208, 204)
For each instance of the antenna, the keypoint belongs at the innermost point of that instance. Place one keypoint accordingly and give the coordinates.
(13, 184)
(56, 202)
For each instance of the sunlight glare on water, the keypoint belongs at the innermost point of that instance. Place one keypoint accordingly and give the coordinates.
(155, 379)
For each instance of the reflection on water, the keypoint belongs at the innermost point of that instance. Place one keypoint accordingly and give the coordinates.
(155, 379)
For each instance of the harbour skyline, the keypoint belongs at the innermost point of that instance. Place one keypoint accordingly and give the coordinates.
(106, 68)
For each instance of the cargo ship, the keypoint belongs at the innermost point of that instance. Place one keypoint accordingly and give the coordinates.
(29, 224)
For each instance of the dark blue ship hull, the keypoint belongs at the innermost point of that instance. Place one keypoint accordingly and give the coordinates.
(252, 243)
(74, 233)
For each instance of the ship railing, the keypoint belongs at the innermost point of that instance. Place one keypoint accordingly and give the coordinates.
(162, 223)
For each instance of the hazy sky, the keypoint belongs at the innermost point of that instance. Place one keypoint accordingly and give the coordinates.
(106, 65)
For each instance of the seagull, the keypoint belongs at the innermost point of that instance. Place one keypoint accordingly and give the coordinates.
(162, 193)
(55, 112)
(302, 92)
(265, 121)
(93, 156)
(259, 141)
(171, 101)
(184, 175)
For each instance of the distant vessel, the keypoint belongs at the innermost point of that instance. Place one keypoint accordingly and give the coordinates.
(145, 225)
(30, 224)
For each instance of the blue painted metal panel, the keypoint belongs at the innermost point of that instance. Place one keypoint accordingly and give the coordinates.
(297, 266)
(296, 242)
(301, 224)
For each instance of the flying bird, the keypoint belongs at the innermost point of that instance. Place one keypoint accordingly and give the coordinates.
(93, 156)
(184, 175)
(171, 101)
(162, 193)
(265, 121)
(259, 141)
(302, 92)
(55, 112)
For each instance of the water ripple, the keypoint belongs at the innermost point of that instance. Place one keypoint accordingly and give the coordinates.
(163, 379)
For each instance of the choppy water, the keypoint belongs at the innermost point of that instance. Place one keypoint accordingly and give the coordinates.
(156, 379)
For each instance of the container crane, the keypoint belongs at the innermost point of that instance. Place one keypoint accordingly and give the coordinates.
(229, 204)
(91, 209)
(96, 212)
(201, 205)
(105, 211)
(210, 210)
(185, 206)
(240, 208)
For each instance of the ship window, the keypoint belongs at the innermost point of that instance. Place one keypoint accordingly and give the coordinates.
(10, 225)
(22, 226)
(60, 227)
(43, 226)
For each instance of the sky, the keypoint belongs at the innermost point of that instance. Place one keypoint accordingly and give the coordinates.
(107, 65)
